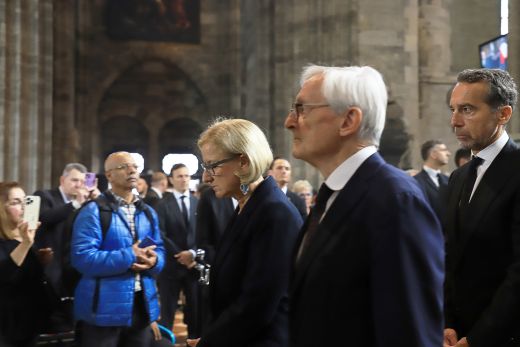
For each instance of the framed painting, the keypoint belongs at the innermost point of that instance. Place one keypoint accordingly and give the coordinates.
(154, 20)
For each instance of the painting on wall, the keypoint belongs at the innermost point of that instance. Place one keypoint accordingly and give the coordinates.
(154, 20)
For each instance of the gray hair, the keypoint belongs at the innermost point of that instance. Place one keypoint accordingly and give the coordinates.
(502, 87)
(73, 166)
(361, 86)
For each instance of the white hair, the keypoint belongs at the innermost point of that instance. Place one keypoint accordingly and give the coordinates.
(360, 86)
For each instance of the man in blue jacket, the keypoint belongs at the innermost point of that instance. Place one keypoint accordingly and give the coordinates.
(116, 298)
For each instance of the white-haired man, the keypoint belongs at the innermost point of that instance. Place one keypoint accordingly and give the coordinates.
(369, 268)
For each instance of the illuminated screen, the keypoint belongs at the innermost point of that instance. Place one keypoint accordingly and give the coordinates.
(493, 53)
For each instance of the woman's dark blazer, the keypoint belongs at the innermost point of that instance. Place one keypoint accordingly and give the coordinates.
(250, 274)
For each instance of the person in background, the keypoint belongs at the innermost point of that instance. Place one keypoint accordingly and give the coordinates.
(280, 169)
(431, 179)
(24, 307)
(304, 190)
(369, 265)
(462, 156)
(57, 205)
(155, 194)
(250, 271)
(142, 187)
(178, 221)
(116, 297)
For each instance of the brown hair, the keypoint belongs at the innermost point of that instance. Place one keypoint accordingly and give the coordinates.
(6, 226)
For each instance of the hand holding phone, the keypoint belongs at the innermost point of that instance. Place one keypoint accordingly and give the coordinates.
(31, 211)
(146, 242)
(90, 180)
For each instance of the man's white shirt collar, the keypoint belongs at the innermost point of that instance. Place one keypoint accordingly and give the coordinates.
(344, 172)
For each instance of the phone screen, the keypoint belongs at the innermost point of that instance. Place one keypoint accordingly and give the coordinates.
(90, 180)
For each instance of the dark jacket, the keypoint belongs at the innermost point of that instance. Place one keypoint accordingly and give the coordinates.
(483, 255)
(250, 274)
(373, 274)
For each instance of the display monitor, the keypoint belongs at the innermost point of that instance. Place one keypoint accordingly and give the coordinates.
(493, 53)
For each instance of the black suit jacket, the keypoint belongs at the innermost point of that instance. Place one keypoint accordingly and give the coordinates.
(298, 202)
(53, 215)
(177, 236)
(436, 195)
(483, 257)
(152, 198)
(213, 216)
(250, 275)
(373, 274)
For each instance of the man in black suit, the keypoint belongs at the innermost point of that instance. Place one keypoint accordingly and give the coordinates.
(483, 217)
(158, 188)
(280, 169)
(433, 182)
(213, 215)
(178, 221)
(369, 266)
(56, 206)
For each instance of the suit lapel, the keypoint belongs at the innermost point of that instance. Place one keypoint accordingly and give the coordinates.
(492, 183)
(334, 219)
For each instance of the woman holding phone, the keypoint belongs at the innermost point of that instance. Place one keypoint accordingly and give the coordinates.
(23, 296)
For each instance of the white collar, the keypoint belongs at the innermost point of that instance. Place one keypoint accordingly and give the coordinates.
(344, 172)
(490, 152)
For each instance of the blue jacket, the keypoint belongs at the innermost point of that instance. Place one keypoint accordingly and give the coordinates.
(104, 295)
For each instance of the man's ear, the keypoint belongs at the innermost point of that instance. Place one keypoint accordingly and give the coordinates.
(504, 114)
(351, 121)
(170, 179)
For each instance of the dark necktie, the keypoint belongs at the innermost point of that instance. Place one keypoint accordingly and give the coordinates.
(314, 218)
(470, 180)
(184, 210)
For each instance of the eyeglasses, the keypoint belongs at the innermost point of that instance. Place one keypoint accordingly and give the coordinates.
(298, 109)
(210, 167)
(124, 167)
(303, 195)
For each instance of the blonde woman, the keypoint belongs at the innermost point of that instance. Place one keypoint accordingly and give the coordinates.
(250, 271)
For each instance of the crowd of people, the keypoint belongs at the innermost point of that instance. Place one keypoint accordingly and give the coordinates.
(375, 257)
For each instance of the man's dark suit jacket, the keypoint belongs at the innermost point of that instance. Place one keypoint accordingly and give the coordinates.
(483, 258)
(176, 235)
(250, 274)
(53, 215)
(436, 195)
(152, 198)
(373, 274)
(298, 202)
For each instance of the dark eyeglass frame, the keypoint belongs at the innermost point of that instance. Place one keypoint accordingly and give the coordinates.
(124, 167)
(297, 109)
(210, 168)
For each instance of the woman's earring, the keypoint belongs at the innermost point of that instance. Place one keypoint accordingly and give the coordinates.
(244, 188)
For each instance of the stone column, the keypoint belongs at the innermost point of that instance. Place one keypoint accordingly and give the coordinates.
(514, 57)
(26, 91)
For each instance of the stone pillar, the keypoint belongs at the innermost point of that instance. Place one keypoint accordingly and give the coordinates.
(435, 78)
(514, 58)
(26, 91)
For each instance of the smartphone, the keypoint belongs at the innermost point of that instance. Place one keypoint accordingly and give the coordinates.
(90, 180)
(31, 210)
(147, 241)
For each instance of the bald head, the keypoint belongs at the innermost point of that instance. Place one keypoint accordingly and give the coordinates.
(121, 172)
(117, 158)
